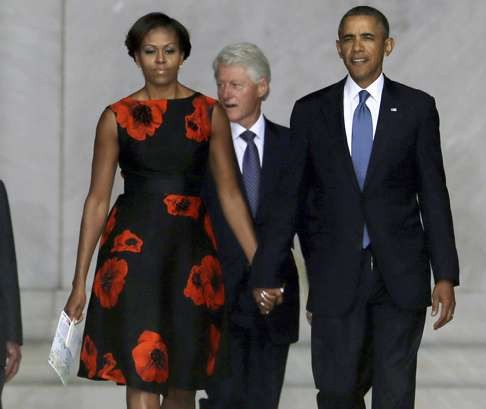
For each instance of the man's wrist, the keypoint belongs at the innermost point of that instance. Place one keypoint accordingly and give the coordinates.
(445, 281)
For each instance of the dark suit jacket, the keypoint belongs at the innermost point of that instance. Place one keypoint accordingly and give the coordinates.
(405, 202)
(283, 322)
(10, 322)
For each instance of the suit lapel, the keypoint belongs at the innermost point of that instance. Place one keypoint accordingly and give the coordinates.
(385, 119)
(270, 164)
(333, 109)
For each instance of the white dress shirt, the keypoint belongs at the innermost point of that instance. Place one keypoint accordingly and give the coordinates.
(351, 101)
(258, 128)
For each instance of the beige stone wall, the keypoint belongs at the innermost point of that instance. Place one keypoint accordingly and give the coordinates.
(62, 62)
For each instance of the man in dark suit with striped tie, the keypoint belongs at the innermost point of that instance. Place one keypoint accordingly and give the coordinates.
(379, 219)
(261, 332)
(10, 321)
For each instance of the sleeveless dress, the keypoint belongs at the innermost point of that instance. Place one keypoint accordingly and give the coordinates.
(156, 313)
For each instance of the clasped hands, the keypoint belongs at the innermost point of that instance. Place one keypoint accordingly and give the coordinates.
(267, 298)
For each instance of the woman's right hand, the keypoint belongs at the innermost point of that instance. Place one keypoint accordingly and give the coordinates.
(75, 303)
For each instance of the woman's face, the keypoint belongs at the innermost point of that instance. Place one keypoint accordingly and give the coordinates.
(160, 56)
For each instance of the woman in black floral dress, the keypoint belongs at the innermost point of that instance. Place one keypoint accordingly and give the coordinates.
(156, 317)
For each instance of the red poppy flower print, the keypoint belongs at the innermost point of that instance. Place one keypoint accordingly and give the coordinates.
(208, 227)
(180, 205)
(214, 341)
(110, 225)
(127, 241)
(89, 355)
(205, 284)
(213, 284)
(140, 118)
(151, 358)
(195, 286)
(109, 370)
(198, 124)
(109, 281)
(210, 101)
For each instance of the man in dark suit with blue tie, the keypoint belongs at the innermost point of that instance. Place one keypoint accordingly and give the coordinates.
(379, 219)
(259, 340)
(10, 322)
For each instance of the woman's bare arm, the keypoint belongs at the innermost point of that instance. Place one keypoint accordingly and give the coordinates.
(222, 164)
(96, 206)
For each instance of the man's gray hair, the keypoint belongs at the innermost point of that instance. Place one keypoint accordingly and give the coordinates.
(247, 55)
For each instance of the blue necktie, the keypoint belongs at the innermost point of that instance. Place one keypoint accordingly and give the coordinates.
(251, 170)
(361, 144)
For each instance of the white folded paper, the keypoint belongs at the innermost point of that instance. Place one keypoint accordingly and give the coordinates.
(65, 347)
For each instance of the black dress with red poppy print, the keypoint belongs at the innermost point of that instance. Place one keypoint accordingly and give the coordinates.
(156, 316)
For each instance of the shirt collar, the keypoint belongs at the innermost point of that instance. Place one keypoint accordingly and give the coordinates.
(375, 88)
(258, 128)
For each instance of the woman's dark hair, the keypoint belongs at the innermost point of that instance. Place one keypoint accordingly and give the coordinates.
(146, 23)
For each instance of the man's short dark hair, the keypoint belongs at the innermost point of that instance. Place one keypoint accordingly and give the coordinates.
(150, 21)
(366, 11)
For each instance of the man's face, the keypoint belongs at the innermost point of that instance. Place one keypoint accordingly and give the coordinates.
(362, 46)
(239, 95)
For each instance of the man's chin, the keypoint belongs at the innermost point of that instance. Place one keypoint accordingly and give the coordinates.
(357, 75)
(233, 118)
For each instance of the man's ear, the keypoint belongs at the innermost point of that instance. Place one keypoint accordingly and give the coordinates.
(389, 45)
(263, 87)
(338, 48)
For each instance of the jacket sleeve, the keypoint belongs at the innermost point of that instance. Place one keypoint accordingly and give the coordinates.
(434, 198)
(9, 285)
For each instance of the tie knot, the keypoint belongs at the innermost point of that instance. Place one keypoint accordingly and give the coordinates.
(247, 136)
(363, 96)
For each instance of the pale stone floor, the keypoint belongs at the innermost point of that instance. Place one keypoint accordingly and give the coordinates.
(448, 377)
(451, 373)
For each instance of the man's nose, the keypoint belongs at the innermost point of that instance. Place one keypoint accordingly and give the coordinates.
(224, 92)
(357, 45)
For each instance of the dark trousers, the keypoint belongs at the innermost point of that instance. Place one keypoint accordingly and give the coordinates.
(375, 331)
(2, 381)
(257, 373)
